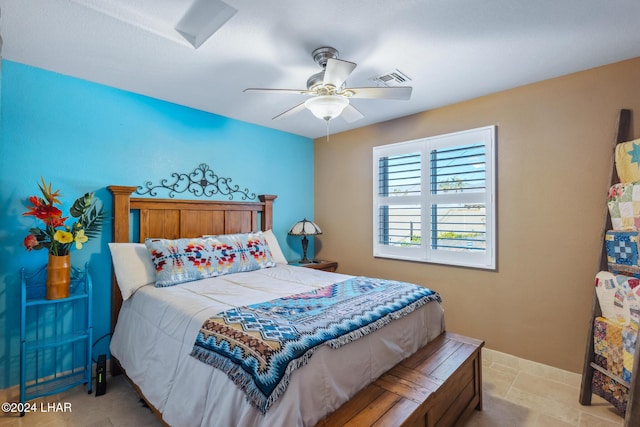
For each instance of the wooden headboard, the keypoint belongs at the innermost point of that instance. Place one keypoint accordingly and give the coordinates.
(174, 219)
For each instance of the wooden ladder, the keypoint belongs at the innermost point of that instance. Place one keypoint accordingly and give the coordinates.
(632, 414)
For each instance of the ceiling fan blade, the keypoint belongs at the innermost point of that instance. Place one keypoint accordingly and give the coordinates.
(290, 112)
(398, 92)
(337, 71)
(292, 91)
(350, 114)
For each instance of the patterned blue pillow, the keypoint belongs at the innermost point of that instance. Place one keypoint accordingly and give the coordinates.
(185, 260)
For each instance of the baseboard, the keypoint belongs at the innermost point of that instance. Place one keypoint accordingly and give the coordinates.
(559, 375)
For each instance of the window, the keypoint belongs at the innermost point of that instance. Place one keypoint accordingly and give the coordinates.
(434, 199)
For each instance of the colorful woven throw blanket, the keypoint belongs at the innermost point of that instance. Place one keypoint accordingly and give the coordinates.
(258, 346)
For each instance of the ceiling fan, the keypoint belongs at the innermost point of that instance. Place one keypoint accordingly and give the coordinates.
(328, 91)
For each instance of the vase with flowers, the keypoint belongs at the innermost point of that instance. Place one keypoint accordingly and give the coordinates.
(58, 237)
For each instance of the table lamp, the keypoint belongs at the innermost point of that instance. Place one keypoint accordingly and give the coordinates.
(305, 228)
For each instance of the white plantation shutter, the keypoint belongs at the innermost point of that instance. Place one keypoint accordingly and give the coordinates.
(434, 199)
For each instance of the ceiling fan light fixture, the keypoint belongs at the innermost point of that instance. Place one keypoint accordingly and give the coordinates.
(328, 92)
(326, 107)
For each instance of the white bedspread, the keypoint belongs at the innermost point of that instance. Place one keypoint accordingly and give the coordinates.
(157, 328)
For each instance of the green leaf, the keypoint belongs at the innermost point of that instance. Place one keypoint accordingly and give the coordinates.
(81, 205)
(39, 234)
(92, 220)
(94, 223)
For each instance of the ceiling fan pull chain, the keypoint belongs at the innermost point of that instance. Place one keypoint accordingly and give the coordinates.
(327, 130)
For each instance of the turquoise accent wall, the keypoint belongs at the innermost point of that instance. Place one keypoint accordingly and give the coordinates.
(83, 136)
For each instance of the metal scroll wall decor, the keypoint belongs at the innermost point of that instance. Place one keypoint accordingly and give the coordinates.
(201, 182)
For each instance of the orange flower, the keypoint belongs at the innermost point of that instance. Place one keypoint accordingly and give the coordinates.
(41, 209)
(55, 221)
(51, 196)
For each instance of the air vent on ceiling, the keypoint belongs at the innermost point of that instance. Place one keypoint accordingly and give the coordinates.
(392, 78)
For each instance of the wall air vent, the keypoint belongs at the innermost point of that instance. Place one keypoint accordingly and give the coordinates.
(392, 78)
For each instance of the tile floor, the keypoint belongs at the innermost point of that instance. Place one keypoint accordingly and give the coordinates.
(517, 393)
(521, 393)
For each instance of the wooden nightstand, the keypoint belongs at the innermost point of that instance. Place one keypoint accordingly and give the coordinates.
(318, 264)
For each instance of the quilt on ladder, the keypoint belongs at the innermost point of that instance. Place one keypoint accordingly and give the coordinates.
(614, 345)
(258, 346)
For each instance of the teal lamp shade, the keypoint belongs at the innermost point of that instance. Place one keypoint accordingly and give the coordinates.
(305, 228)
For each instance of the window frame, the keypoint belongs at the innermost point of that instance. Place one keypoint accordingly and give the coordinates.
(484, 259)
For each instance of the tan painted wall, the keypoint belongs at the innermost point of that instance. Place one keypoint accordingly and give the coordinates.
(555, 150)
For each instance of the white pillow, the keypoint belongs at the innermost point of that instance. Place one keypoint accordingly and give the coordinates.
(274, 247)
(133, 267)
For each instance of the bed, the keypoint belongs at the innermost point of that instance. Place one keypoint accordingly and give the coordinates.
(154, 331)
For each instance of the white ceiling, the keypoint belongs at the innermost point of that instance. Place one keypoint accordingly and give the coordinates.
(452, 50)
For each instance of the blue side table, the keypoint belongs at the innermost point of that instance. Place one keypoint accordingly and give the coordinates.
(56, 336)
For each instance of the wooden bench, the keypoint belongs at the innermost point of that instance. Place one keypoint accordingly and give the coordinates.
(437, 386)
